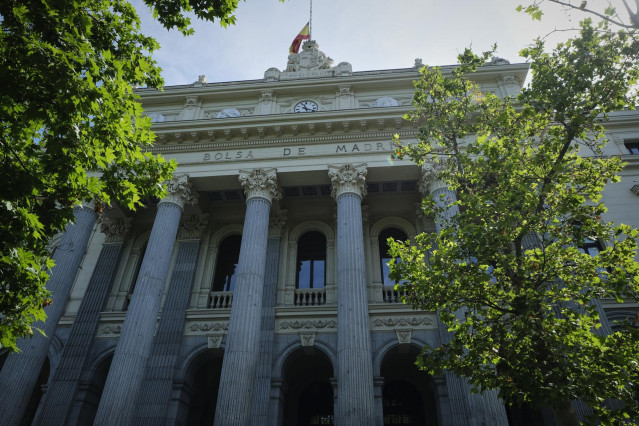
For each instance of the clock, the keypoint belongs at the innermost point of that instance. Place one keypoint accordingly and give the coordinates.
(306, 106)
(228, 113)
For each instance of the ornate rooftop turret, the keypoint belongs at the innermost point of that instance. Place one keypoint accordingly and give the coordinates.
(309, 63)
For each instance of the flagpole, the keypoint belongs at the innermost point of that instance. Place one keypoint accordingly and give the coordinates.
(310, 21)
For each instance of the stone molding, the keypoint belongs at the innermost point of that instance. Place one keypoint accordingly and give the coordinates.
(348, 178)
(192, 227)
(308, 338)
(115, 229)
(276, 223)
(180, 191)
(109, 330)
(260, 183)
(294, 326)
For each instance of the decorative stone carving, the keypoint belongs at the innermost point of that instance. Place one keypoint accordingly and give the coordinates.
(191, 227)
(418, 63)
(348, 179)
(635, 189)
(156, 117)
(405, 322)
(308, 339)
(260, 183)
(344, 89)
(276, 223)
(309, 62)
(199, 328)
(404, 336)
(180, 191)
(109, 330)
(267, 96)
(215, 341)
(308, 325)
(115, 229)
(385, 101)
(496, 60)
(191, 102)
(430, 181)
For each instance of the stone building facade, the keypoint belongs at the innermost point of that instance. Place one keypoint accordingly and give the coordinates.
(256, 292)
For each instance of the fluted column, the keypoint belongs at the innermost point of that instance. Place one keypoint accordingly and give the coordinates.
(355, 405)
(263, 384)
(239, 366)
(466, 408)
(64, 383)
(21, 370)
(136, 339)
(158, 382)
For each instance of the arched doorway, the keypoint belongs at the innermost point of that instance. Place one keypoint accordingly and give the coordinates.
(202, 382)
(407, 395)
(308, 398)
(93, 394)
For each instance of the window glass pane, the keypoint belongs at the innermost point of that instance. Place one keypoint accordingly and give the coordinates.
(318, 274)
(311, 260)
(227, 258)
(304, 274)
(384, 256)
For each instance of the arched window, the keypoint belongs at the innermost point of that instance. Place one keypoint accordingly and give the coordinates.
(227, 258)
(384, 256)
(311, 260)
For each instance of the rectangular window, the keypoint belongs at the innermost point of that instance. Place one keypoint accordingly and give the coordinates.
(632, 145)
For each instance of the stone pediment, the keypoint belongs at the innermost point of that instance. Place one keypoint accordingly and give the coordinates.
(309, 63)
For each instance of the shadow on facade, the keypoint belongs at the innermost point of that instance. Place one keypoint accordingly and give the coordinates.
(308, 391)
(36, 395)
(93, 392)
(198, 397)
(408, 396)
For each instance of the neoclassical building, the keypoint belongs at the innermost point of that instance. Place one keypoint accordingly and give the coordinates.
(257, 291)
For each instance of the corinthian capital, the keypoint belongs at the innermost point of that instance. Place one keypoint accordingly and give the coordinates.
(180, 191)
(260, 183)
(192, 227)
(115, 229)
(430, 181)
(348, 179)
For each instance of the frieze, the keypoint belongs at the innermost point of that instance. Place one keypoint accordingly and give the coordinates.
(206, 327)
(296, 325)
(413, 322)
(109, 330)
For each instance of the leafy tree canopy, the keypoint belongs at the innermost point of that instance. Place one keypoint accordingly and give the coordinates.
(507, 273)
(71, 129)
(617, 13)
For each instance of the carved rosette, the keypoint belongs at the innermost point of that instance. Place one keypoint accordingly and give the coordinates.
(192, 227)
(115, 229)
(276, 223)
(429, 181)
(180, 191)
(348, 179)
(260, 183)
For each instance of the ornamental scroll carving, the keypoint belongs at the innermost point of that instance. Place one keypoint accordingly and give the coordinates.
(115, 229)
(206, 327)
(348, 179)
(110, 330)
(260, 183)
(180, 191)
(276, 223)
(307, 325)
(192, 226)
(393, 322)
(430, 181)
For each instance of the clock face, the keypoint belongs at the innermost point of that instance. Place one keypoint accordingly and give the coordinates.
(228, 113)
(306, 106)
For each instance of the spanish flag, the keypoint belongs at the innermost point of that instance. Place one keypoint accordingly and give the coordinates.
(303, 35)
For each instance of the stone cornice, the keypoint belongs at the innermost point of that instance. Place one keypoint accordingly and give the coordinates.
(260, 183)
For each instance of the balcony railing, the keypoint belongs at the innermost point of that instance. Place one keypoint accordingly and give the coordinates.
(310, 296)
(220, 299)
(391, 295)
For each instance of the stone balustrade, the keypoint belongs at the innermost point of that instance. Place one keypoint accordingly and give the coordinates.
(220, 299)
(310, 296)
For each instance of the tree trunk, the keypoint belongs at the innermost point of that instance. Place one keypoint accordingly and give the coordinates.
(565, 414)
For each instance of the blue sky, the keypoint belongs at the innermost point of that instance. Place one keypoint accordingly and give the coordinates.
(370, 34)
